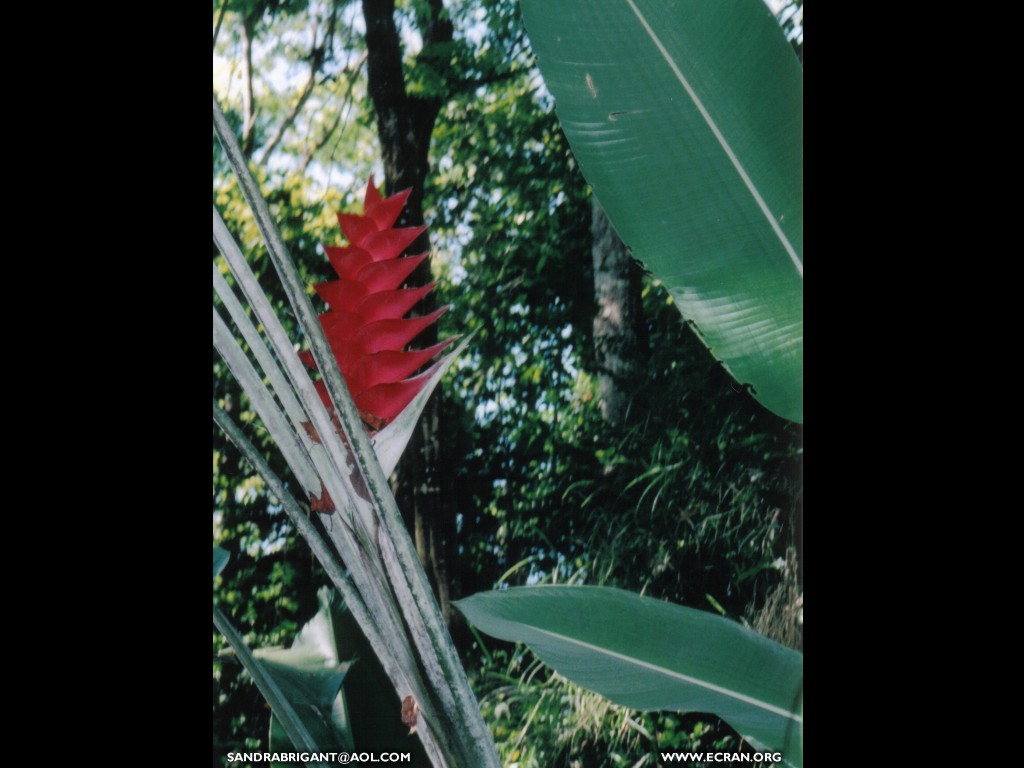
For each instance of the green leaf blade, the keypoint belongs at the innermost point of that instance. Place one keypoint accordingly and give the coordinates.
(332, 676)
(220, 559)
(686, 119)
(649, 655)
(296, 725)
(310, 674)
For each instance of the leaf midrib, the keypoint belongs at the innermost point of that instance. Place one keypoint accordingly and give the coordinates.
(713, 126)
(669, 672)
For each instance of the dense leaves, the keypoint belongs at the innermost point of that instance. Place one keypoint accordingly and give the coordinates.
(695, 500)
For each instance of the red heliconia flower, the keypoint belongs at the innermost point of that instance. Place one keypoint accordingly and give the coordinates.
(364, 324)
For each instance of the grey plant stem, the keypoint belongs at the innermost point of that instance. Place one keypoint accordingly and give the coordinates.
(363, 561)
(367, 572)
(266, 408)
(278, 383)
(463, 723)
(393, 653)
(330, 457)
(355, 544)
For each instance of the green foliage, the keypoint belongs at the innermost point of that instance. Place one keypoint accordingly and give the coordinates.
(311, 674)
(282, 702)
(693, 498)
(541, 720)
(649, 654)
(687, 120)
(697, 496)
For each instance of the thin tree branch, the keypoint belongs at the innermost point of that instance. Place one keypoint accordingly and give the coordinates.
(220, 20)
(468, 85)
(307, 158)
(352, 73)
(289, 119)
(317, 56)
(248, 105)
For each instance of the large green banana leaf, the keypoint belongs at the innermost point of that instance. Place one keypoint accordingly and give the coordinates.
(647, 654)
(686, 118)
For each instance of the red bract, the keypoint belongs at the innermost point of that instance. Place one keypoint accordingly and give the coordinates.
(364, 323)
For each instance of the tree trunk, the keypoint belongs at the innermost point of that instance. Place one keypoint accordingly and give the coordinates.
(620, 335)
(404, 125)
